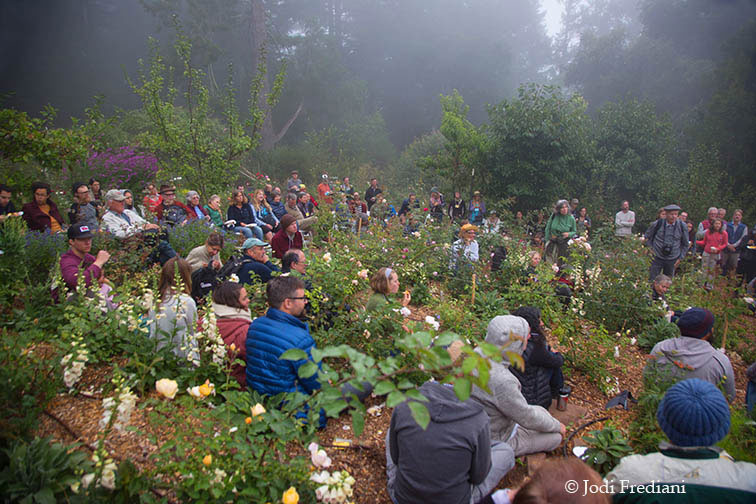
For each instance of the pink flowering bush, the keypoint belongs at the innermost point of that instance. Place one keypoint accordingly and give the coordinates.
(123, 167)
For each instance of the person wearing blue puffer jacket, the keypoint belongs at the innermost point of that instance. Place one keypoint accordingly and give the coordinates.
(278, 331)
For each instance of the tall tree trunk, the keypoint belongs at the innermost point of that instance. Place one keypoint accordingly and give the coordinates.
(260, 39)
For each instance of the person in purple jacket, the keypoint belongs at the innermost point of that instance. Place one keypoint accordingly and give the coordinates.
(78, 257)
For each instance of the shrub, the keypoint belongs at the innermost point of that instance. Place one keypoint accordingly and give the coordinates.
(606, 447)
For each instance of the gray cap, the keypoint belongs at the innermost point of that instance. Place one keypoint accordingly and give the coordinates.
(114, 195)
(671, 207)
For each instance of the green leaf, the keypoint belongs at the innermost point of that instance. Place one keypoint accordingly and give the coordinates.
(307, 369)
(469, 364)
(462, 388)
(334, 408)
(358, 422)
(420, 414)
(293, 354)
(395, 398)
(416, 395)
(384, 387)
(446, 338)
(516, 360)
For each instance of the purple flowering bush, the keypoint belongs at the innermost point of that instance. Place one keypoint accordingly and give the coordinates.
(123, 167)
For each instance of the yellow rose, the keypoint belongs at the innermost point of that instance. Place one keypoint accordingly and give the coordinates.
(248, 420)
(207, 460)
(258, 409)
(290, 496)
(206, 388)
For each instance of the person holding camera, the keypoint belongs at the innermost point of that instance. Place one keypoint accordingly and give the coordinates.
(668, 239)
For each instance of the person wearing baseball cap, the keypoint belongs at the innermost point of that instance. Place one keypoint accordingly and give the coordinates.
(668, 239)
(691, 355)
(78, 258)
(257, 267)
(694, 416)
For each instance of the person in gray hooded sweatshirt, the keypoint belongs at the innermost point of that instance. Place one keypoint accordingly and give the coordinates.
(526, 428)
(691, 355)
(451, 461)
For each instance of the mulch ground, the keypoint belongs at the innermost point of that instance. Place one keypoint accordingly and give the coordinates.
(75, 418)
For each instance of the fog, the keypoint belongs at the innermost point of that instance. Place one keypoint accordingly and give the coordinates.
(348, 59)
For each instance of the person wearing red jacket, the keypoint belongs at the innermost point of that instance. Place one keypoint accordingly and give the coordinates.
(232, 316)
(714, 241)
(288, 237)
(171, 211)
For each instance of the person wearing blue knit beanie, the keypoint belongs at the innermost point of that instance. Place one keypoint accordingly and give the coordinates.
(694, 415)
(691, 355)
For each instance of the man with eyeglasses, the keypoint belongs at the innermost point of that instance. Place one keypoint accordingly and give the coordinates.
(275, 333)
(82, 212)
(260, 268)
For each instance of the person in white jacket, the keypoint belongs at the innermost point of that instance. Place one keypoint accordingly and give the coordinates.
(624, 220)
(694, 415)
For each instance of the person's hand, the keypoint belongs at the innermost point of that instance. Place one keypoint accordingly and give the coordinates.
(216, 264)
(102, 257)
(265, 258)
(677, 263)
(731, 248)
(406, 298)
(714, 249)
(562, 430)
(150, 225)
(565, 234)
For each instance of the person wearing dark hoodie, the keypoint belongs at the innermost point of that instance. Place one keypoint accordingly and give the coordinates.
(691, 355)
(542, 378)
(452, 460)
(526, 428)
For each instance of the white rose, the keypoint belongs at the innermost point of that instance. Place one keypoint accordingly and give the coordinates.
(166, 387)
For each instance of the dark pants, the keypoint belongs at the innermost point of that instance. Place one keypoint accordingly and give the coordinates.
(556, 382)
(659, 265)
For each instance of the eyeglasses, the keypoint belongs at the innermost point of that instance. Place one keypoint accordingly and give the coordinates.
(82, 193)
(301, 297)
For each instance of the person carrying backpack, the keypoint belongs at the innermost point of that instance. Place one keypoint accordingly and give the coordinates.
(668, 239)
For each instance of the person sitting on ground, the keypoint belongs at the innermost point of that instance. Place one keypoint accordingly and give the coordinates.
(381, 211)
(287, 237)
(232, 317)
(125, 223)
(456, 444)
(276, 205)
(559, 229)
(305, 223)
(279, 330)
(492, 223)
(193, 203)
(213, 210)
(542, 380)
(408, 206)
(241, 213)
(128, 202)
(457, 209)
(713, 243)
(436, 205)
(96, 198)
(173, 320)
(659, 288)
(550, 484)
(82, 212)
(305, 205)
(385, 281)
(694, 416)
(537, 242)
(526, 428)
(359, 209)
(294, 263)
(691, 355)
(207, 254)
(170, 211)
(42, 212)
(260, 268)
(268, 191)
(477, 210)
(465, 249)
(263, 215)
(412, 225)
(737, 233)
(6, 205)
(78, 258)
(582, 222)
(152, 200)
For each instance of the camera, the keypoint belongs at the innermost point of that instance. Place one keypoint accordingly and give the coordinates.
(666, 250)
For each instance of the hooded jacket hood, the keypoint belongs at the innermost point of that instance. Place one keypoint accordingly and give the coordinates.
(443, 405)
(508, 333)
(224, 311)
(693, 352)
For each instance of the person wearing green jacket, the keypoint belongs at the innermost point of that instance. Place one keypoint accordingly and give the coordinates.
(559, 229)
(213, 210)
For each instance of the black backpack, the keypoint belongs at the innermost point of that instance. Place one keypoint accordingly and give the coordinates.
(205, 279)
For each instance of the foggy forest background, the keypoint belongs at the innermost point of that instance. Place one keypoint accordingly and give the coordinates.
(648, 100)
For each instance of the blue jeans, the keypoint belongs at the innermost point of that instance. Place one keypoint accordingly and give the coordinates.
(750, 396)
(249, 232)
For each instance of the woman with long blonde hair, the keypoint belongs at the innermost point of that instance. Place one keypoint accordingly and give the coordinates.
(263, 214)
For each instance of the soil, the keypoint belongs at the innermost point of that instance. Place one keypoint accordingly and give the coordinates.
(75, 418)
